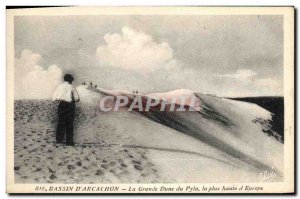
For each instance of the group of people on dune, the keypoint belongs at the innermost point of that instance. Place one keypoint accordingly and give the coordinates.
(91, 84)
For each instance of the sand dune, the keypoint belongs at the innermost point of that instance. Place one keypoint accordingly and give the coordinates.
(221, 139)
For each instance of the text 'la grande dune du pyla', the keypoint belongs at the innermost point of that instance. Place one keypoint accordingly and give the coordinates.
(151, 189)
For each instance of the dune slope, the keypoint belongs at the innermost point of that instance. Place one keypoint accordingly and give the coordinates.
(223, 133)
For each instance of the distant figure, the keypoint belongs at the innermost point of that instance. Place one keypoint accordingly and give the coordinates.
(95, 86)
(136, 92)
(91, 84)
(84, 83)
(67, 96)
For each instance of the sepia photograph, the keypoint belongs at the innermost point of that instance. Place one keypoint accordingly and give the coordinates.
(150, 100)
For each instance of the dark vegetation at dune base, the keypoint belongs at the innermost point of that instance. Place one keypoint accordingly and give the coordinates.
(273, 104)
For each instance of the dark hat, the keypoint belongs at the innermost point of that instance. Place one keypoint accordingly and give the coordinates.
(68, 78)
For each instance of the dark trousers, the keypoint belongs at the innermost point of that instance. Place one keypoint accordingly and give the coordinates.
(66, 113)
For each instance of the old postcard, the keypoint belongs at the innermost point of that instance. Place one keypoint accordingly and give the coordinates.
(150, 100)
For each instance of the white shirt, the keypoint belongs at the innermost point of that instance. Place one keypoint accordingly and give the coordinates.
(64, 93)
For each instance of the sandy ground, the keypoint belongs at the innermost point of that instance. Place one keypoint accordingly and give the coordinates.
(96, 159)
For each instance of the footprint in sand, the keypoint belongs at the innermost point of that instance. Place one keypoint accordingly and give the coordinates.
(136, 162)
(71, 167)
(105, 166)
(52, 177)
(37, 170)
(138, 167)
(99, 172)
(130, 156)
(123, 165)
(17, 168)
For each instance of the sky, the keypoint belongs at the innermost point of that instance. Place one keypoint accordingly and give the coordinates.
(231, 56)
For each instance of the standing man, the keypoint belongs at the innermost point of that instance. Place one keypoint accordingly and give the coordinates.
(67, 96)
